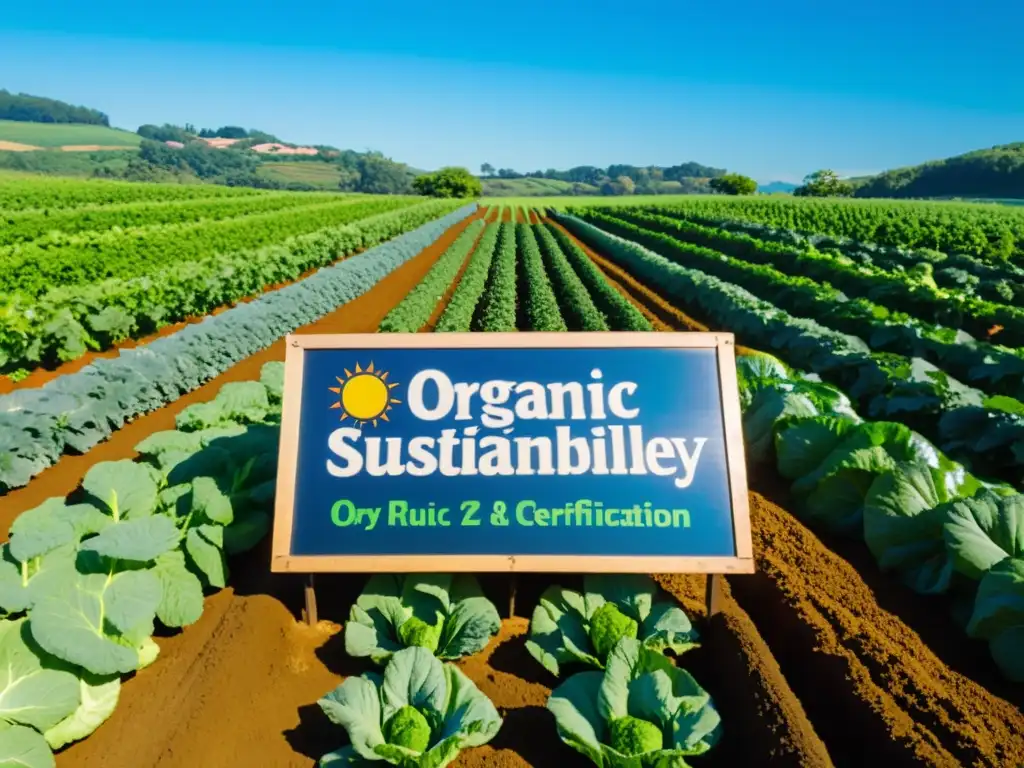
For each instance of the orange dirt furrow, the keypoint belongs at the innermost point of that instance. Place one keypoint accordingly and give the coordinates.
(442, 305)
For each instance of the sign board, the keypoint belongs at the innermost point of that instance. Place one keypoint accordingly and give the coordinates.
(572, 452)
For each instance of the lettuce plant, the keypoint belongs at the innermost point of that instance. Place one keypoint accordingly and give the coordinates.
(447, 615)
(569, 627)
(641, 711)
(998, 615)
(419, 714)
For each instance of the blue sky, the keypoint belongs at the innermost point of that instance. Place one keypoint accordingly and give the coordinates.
(771, 89)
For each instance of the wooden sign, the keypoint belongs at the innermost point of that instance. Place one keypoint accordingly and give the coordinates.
(570, 452)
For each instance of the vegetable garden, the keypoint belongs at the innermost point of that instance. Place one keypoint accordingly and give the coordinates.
(882, 386)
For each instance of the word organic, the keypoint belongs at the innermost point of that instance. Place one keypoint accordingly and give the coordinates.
(603, 449)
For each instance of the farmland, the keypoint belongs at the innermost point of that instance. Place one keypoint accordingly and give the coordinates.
(882, 388)
(55, 135)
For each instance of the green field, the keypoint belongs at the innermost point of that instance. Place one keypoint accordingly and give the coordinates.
(52, 135)
(530, 187)
(325, 175)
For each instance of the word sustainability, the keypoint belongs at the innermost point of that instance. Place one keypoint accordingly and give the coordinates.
(500, 405)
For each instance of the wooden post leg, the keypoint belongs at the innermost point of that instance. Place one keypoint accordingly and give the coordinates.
(512, 596)
(714, 596)
(311, 617)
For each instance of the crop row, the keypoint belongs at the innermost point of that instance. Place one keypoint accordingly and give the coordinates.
(34, 268)
(883, 385)
(414, 311)
(458, 315)
(913, 292)
(997, 281)
(923, 517)
(578, 309)
(82, 585)
(540, 310)
(991, 232)
(20, 193)
(67, 322)
(27, 226)
(76, 411)
(619, 312)
(997, 370)
(497, 308)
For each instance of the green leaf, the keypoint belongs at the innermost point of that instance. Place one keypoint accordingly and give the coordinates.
(413, 677)
(210, 502)
(140, 540)
(204, 546)
(123, 489)
(469, 716)
(801, 446)
(29, 694)
(272, 377)
(246, 532)
(96, 621)
(768, 408)
(1005, 649)
(22, 747)
(558, 635)
(98, 700)
(37, 531)
(668, 628)
(469, 627)
(999, 604)
(355, 706)
(984, 530)
(579, 723)
(181, 601)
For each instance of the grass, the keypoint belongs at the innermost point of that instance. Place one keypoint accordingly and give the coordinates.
(53, 135)
(325, 175)
(529, 187)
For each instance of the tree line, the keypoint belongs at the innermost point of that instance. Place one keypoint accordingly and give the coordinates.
(37, 109)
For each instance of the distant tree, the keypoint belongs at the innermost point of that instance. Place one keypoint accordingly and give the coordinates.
(487, 169)
(232, 132)
(165, 132)
(733, 184)
(508, 173)
(824, 183)
(379, 175)
(448, 182)
(37, 109)
(626, 185)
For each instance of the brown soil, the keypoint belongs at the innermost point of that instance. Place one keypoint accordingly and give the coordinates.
(14, 146)
(91, 148)
(442, 305)
(520, 216)
(534, 218)
(506, 214)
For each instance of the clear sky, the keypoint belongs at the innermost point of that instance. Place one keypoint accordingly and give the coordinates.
(773, 89)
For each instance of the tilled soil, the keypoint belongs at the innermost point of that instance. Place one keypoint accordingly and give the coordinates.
(812, 662)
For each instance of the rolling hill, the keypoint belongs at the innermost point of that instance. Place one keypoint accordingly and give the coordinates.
(985, 173)
(774, 187)
(34, 136)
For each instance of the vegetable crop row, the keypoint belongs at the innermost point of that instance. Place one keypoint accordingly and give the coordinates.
(914, 293)
(987, 231)
(1000, 282)
(996, 370)
(458, 315)
(923, 517)
(78, 410)
(414, 311)
(27, 226)
(620, 312)
(541, 310)
(22, 193)
(577, 307)
(883, 385)
(66, 322)
(83, 580)
(34, 268)
(497, 308)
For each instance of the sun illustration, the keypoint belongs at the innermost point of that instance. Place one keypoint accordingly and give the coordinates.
(365, 395)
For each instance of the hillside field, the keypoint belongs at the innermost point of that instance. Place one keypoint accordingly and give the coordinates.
(880, 356)
(56, 135)
(325, 175)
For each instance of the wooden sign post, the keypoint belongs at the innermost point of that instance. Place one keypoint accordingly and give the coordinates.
(543, 452)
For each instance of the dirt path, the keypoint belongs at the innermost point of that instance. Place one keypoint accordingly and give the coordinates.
(442, 305)
(362, 315)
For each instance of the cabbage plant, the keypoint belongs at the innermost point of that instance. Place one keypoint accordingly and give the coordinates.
(447, 615)
(419, 714)
(999, 615)
(570, 627)
(641, 711)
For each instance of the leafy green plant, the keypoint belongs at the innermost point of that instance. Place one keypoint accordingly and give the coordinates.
(419, 714)
(573, 299)
(497, 308)
(983, 531)
(570, 627)
(78, 410)
(542, 310)
(458, 315)
(447, 615)
(998, 615)
(642, 710)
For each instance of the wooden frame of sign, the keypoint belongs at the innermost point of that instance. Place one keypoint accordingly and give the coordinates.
(296, 345)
